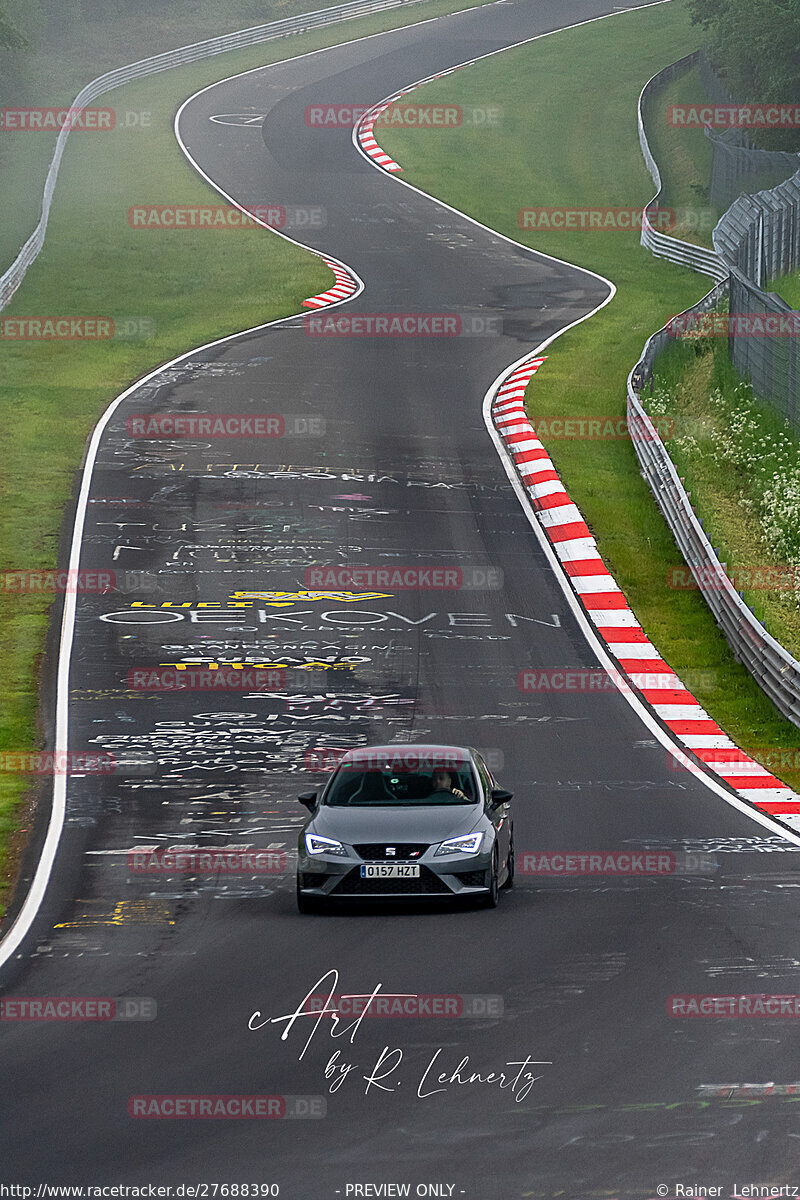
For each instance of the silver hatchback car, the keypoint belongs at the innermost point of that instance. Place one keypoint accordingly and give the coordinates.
(414, 821)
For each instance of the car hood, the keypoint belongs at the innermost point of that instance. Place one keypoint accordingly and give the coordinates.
(429, 824)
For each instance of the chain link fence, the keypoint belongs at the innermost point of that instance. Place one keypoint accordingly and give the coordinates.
(737, 167)
(759, 238)
(756, 240)
(776, 671)
(736, 164)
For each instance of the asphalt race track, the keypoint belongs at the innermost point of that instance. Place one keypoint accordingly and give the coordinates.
(577, 971)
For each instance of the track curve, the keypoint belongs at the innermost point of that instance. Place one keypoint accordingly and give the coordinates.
(404, 475)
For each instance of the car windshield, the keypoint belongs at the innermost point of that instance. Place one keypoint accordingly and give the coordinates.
(353, 786)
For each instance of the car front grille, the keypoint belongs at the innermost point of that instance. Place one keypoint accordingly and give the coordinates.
(426, 884)
(376, 851)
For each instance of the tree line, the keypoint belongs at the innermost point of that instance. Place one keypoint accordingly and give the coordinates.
(755, 47)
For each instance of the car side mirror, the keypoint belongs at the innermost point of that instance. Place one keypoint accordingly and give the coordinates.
(500, 796)
(309, 799)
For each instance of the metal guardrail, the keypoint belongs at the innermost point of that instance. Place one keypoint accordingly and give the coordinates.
(773, 668)
(319, 19)
(661, 244)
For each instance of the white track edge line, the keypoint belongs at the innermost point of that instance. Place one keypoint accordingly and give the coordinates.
(22, 923)
(587, 629)
(30, 907)
(27, 914)
(595, 642)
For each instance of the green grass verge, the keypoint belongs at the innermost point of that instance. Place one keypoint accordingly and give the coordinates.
(65, 55)
(193, 286)
(556, 148)
(788, 288)
(726, 494)
(64, 52)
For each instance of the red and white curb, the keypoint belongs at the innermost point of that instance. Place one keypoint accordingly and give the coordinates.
(366, 137)
(365, 130)
(345, 286)
(567, 541)
(606, 607)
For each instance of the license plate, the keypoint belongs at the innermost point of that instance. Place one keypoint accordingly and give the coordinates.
(390, 871)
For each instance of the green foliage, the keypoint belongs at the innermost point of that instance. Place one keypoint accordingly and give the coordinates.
(757, 49)
(740, 462)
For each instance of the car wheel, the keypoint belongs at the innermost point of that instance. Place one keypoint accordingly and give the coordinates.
(510, 864)
(306, 904)
(491, 900)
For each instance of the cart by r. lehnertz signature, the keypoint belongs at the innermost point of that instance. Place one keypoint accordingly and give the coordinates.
(386, 1072)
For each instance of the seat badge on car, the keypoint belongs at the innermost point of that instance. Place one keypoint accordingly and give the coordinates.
(390, 850)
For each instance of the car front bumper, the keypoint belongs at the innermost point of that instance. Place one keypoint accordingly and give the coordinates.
(446, 876)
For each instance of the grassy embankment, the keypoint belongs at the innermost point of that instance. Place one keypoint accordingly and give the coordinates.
(558, 145)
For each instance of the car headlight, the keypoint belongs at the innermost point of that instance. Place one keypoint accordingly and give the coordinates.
(322, 845)
(469, 844)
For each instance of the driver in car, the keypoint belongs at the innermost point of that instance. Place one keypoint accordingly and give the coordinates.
(443, 782)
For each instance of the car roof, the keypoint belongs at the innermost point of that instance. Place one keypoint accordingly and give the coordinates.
(413, 754)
